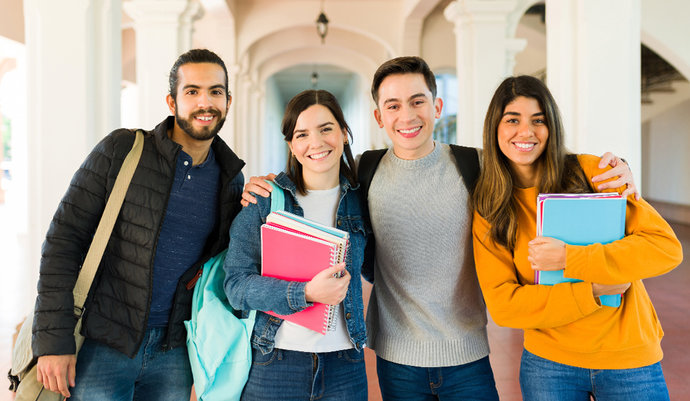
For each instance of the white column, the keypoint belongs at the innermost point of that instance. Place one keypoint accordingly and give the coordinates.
(163, 32)
(243, 107)
(230, 131)
(73, 85)
(593, 70)
(252, 133)
(219, 22)
(191, 13)
(259, 152)
(485, 56)
(363, 132)
(107, 79)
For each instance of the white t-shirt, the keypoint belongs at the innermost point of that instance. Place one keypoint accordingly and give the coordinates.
(320, 206)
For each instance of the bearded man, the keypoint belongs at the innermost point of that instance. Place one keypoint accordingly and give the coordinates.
(175, 216)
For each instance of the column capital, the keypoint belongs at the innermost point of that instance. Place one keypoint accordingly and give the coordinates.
(155, 10)
(192, 12)
(460, 11)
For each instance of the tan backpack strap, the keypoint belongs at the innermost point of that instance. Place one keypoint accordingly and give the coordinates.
(105, 226)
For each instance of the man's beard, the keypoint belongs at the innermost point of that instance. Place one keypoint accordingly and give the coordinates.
(204, 133)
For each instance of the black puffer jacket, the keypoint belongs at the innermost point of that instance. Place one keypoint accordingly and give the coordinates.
(117, 308)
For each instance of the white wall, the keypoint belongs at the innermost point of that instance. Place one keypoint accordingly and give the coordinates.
(668, 163)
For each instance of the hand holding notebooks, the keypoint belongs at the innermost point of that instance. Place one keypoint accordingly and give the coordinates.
(580, 219)
(296, 249)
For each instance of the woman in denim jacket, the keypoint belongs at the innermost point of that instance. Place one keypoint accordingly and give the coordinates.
(291, 362)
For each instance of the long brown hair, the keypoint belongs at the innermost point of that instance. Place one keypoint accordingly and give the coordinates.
(558, 170)
(295, 107)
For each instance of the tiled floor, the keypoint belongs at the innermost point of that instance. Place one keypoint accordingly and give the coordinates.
(670, 294)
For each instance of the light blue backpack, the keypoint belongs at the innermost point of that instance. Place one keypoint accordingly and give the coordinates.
(218, 342)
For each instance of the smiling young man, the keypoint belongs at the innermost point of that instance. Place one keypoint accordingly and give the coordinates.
(426, 318)
(175, 216)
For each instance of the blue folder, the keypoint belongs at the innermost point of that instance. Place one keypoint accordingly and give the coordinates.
(582, 221)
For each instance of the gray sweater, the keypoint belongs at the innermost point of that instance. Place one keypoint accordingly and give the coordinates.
(426, 308)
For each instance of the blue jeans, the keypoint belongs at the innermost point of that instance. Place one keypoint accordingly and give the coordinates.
(542, 380)
(105, 374)
(299, 376)
(471, 381)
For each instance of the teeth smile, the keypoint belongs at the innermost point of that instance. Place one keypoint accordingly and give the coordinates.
(317, 156)
(524, 145)
(204, 118)
(408, 131)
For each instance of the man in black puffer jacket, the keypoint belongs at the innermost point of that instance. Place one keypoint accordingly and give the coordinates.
(176, 215)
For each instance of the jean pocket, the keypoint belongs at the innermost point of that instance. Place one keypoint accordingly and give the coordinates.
(261, 359)
(352, 355)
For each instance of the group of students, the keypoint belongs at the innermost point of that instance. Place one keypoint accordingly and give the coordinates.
(439, 250)
(426, 319)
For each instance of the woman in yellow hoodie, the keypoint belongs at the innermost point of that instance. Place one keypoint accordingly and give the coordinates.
(574, 346)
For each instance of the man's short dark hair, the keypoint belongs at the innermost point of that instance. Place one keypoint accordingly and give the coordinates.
(403, 65)
(191, 57)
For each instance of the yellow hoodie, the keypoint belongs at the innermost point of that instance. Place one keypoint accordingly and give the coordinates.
(565, 323)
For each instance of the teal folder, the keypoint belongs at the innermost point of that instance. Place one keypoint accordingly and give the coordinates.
(580, 221)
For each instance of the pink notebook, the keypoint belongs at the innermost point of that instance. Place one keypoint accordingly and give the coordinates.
(291, 256)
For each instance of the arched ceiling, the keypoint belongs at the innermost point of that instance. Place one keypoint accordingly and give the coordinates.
(258, 19)
(274, 35)
(305, 37)
(293, 80)
(336, 67)
(297, 50)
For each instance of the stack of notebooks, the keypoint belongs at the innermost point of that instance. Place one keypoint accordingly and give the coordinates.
(296, 249)
(580, 219)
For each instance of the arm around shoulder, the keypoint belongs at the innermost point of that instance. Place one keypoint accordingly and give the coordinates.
(649, 248)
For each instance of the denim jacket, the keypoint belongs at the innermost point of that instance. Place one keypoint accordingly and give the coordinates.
(246, 289)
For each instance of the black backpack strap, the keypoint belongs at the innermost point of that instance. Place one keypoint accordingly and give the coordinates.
(366, 168)
(467, 161)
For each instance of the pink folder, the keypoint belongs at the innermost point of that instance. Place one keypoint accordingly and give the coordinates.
(288, 255)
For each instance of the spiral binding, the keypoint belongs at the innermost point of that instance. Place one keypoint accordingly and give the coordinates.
(337, 256)
(332, 316)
